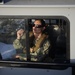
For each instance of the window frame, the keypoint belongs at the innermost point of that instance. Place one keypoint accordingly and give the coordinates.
(37, 64)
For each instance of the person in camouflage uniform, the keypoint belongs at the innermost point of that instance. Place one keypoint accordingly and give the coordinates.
(39, 43)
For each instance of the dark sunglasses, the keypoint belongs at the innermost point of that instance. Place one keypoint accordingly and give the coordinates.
(37, 26)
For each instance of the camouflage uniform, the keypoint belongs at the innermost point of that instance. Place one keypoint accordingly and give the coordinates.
(37, 55)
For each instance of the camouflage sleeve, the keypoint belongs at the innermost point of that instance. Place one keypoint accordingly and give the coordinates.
(46, 47)
(17, 44)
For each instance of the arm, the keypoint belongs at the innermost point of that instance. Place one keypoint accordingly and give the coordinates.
(19, 43)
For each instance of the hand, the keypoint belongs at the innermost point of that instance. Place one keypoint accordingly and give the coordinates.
(20, 33)
(17, 56)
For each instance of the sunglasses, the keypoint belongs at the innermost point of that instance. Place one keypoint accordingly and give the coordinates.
(37, 26)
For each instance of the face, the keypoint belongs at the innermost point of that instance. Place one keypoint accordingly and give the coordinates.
(37, 28)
